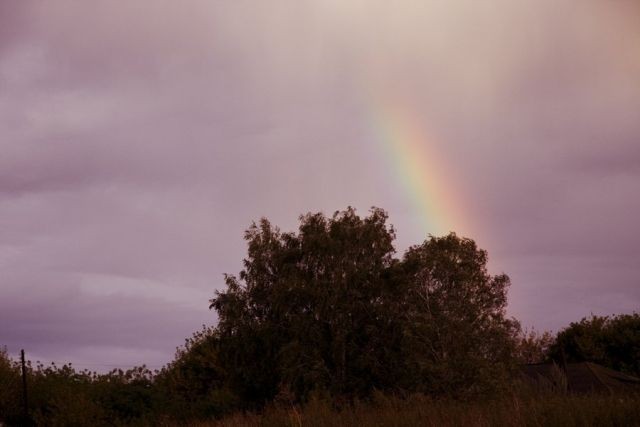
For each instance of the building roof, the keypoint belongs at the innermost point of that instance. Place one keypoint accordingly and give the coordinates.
(583, 377)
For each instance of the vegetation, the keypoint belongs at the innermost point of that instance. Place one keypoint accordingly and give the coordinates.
(421, 410)
(63, 396)
(533, 347)
(612, 341)
(329, 308)
(326, 326)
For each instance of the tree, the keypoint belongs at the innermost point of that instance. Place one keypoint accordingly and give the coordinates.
(533, 347)
(194, 385)
(612, 341)
(10, 389)
(328, 307)
(306, 311)
(456, 327)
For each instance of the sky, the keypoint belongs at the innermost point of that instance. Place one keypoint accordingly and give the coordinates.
(139, 139)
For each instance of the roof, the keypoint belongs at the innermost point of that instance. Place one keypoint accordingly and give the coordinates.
(583, 377)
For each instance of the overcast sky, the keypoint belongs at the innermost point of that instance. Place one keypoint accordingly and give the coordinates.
(139, 139)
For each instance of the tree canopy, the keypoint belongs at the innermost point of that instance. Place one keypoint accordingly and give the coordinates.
(329, 308)
(612, 341)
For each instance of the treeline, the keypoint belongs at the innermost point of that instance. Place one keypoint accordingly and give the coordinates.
(330, 311)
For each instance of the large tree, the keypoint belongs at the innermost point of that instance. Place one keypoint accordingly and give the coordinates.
(330, 308)
(459, 336)
(308, 310)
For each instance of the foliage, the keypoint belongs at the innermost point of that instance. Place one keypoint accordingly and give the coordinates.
(10, 389)
(533, 347)
(308, 310)
(62, 396)
(612, 341)
(329, 308)
(326, 326)
(194, 383)
(459, 340)
(419, 410)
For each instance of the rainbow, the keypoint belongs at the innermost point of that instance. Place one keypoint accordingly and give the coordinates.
(418, 168)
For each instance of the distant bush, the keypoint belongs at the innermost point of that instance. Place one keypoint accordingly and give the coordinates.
(10, 389)
(533, 347)
(62, 396)
(195, 384)
(612, 341)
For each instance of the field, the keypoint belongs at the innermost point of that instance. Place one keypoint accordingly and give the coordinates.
(417, 410)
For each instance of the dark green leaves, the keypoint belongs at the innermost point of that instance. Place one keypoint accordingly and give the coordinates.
(330, 308)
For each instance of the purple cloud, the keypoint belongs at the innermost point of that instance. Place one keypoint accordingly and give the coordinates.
(138, 141)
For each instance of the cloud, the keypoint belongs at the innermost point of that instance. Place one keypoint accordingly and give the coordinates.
(69, 320)
(138, 141)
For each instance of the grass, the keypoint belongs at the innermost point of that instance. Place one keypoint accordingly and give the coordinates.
(418, 410)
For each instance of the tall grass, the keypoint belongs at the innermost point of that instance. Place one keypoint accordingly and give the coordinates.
(419, 410)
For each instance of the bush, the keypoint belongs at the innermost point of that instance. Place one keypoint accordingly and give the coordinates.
(612, 341)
